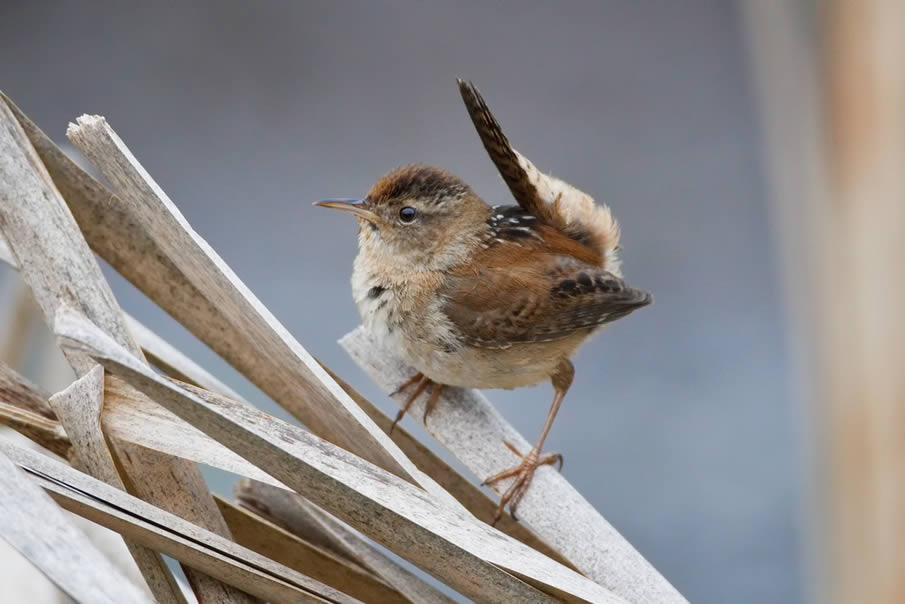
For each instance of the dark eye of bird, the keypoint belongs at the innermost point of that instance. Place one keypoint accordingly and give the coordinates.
(408, 214)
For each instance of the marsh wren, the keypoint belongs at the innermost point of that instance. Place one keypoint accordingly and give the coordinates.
(480, 296)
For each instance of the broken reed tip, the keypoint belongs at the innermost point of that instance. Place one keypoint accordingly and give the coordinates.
(84, 121)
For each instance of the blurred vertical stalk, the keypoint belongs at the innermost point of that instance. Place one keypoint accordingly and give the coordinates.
(863, 297)
(831, 82)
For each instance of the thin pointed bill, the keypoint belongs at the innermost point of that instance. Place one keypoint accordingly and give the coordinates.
(350, 206)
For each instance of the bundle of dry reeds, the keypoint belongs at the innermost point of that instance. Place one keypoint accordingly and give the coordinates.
(132, 429)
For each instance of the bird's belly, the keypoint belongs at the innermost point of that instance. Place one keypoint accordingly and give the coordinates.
(514, 367)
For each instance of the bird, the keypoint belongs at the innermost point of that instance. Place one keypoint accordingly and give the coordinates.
(484, 296)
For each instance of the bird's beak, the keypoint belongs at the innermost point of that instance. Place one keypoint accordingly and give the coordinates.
(358, 207)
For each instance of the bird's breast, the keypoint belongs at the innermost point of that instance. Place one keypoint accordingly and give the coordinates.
(406, 316)
(375, 299)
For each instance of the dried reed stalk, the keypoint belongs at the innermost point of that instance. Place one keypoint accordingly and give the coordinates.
(164, 532)
(300, 517)
(46, 243)
(138, 421)
(38, 529)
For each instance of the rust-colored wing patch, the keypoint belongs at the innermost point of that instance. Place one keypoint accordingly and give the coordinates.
(539, 297)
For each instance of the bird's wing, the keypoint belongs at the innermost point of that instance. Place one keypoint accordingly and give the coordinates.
(551, 200)
(535, 297)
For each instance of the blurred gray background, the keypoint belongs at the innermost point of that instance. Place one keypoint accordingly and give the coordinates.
(680, 426)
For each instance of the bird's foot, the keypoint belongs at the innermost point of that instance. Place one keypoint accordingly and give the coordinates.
(421, 382)
(524, 474)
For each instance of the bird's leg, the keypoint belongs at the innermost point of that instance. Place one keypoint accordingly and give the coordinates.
(422, 382)
(524, 472)
(415, 378)
(436, 389)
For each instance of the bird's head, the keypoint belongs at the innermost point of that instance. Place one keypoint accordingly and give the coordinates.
(420, 216)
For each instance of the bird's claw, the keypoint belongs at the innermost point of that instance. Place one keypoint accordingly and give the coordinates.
(524, 475)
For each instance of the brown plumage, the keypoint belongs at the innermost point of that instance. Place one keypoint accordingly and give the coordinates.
(487, 297)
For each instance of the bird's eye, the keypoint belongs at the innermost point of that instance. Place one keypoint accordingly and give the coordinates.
(408, 214)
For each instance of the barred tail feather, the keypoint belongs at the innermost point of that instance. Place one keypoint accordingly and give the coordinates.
(549, 199)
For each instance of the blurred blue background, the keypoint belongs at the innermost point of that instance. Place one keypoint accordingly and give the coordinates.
(680, 426)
